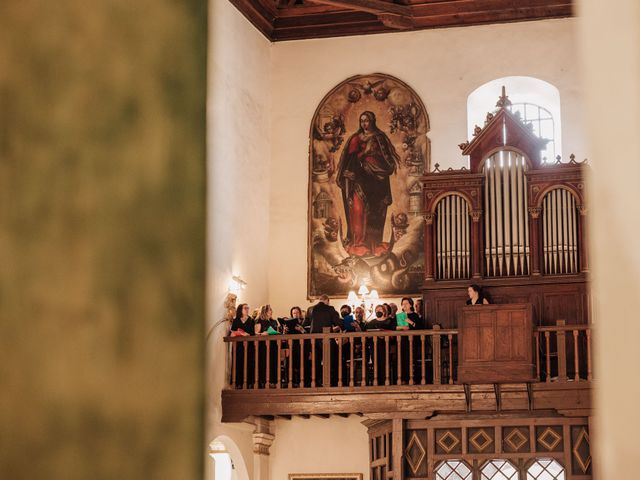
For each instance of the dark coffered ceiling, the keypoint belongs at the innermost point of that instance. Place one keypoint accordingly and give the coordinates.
(297, 19)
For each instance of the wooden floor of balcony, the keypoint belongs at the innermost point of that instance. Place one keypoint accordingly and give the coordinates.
(415, 401)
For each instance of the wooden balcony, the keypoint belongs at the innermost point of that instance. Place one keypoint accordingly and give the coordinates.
(412, 374)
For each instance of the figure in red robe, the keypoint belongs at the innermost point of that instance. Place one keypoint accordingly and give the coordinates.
(368, 160)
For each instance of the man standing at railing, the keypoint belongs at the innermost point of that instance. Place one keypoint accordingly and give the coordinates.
(323, 316)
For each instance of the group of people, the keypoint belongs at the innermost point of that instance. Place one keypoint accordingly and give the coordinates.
(319, 318)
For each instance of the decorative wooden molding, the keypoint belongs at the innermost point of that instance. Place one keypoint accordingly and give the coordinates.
(299, 19)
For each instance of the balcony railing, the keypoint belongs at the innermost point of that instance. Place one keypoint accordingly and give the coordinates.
(367, 360)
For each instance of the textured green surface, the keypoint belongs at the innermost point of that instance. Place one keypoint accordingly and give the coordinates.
(102, 221)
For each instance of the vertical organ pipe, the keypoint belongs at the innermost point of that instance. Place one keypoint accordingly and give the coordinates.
(506, 221)
(452, 238)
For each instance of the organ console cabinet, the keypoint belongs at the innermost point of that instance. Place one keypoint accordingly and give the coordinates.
(511, 222)
(496, 344)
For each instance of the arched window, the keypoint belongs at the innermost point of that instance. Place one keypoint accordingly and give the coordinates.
(545, 469)
(499, 470)
(537, 102)
(453, 470)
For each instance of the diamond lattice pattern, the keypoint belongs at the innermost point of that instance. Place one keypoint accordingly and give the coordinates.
(499, 470)
(453, 470)
(545, 469)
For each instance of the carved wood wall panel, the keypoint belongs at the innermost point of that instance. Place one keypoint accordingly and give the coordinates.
(519, 439)
(551, 301)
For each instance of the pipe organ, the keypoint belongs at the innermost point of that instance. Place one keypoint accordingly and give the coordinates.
(452, 240)
(506, 230)
(560, 232)
(510, 222)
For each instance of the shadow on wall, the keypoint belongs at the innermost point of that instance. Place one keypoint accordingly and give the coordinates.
(229, 464)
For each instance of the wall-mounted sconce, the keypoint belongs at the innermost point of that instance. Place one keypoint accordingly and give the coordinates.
(236, 284)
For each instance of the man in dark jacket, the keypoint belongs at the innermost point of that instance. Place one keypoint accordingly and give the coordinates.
(324, 315)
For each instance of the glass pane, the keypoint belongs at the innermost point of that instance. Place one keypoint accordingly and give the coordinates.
(546, 129)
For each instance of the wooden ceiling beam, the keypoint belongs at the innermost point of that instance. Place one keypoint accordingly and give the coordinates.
(370, 6)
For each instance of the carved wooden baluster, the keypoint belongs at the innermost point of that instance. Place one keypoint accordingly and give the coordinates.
(537, 337)
(450, 336)
(313, 363)
(437, 360)
(576, 362)
(245, 368)
(387, 357)
(411, 360)
(234, 366)
(303, 345)
(561, 340)
(291, 342)
(256, 377)
(363, 353)
(547, 336)
(352, 370)
(374, 339)
(278, 365)
(423, 379)
(339, 363)
(326, 359)
(589, 374)
(399, 360)
(268, 372)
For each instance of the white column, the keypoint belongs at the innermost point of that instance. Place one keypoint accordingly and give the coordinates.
(262, 441)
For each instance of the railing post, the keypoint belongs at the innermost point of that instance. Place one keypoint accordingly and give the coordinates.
(326, 358)
(562, 351)
(589, 373)
(437, 360)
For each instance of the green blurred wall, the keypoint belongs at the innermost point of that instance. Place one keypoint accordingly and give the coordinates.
(102, 221)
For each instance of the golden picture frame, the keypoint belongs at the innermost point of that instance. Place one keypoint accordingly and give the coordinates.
(325, 476)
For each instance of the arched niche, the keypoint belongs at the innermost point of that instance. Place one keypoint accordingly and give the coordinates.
(228, 460)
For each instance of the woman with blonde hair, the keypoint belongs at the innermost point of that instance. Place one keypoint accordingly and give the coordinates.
(266, 325)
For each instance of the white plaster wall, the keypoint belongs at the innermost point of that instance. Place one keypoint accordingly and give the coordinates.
(443, 66)
(611, 61)
(317, 445)
(239, 149)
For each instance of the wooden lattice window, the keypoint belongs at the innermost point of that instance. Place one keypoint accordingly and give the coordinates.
(545, 469)
(499, 470)
(453, 470)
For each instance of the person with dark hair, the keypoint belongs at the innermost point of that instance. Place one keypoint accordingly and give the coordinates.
(243, 325)
(291, 348)
(419, 309)
(325, 316)
(347, 318)
(413, 322)
(367, 162)
(476, 297)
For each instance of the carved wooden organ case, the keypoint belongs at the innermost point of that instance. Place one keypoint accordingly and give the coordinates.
(511, 223)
